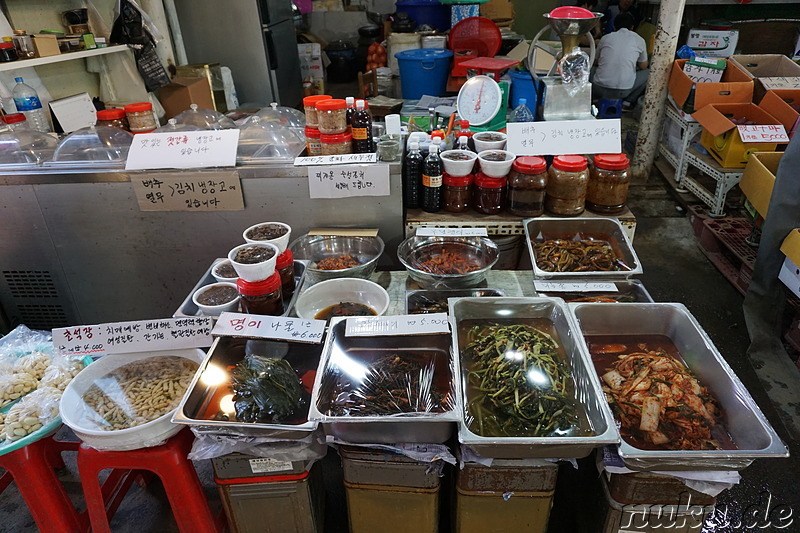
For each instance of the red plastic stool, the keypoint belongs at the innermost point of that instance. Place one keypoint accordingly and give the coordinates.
(168, 461)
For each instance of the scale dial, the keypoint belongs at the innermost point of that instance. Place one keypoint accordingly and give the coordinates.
(479, 100)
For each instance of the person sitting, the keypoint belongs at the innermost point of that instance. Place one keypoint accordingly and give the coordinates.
(621, 64)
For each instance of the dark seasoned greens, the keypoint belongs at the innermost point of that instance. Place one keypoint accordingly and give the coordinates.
(267, 390)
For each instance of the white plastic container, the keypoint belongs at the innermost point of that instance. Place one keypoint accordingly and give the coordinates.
(216, 310)
(281, 242)
(255, 271)
(482, 141)
(496, 169)
(334, 291)
(399, 42)
(461, 167)
(222, 279)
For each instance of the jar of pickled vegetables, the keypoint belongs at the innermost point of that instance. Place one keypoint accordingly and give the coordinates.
(566, 185)
(310, 108)
(489, 195)
(456, 193)
(313, 142)
(609, 178)
(526, 186)
(332, 116)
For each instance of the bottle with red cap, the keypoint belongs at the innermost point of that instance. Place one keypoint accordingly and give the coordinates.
(609, 178)
(526, 186)
(489, 194)
(261, 297)
(566, 185)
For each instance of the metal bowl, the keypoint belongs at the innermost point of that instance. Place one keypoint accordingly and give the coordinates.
(315, 248)
(416, 250)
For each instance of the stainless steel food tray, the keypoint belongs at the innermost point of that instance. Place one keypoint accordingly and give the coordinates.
(566, 228)
(589, 393)
(430, 428)
(189, 308)
(416, 298)
(745, 422)
(227, 351)
(633, 287)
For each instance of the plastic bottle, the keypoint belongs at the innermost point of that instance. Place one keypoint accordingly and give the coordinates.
(522, 113)
(412, 176)
(463, 142)
(351, 110)
(432, 181)
(27, 101)
(362, 130)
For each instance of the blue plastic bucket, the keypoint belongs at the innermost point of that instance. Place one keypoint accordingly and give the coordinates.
(523, 86)
(426, 12)
(423, 71)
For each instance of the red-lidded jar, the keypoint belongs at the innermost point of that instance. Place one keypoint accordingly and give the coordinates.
(489, 194)
(313, 142)
(285, 267)
(340, 144)
(609, 178)
(113, 117)
(566, 185)
(310, 107)
(140, 117)
(526, 186)
(456, 192)
(332, 116)
(261, 297)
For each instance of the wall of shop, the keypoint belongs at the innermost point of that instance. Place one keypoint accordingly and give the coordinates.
(528, 18)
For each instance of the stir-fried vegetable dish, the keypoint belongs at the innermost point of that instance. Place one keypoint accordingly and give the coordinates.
(449, 263)
(563, 255)
(340, 262)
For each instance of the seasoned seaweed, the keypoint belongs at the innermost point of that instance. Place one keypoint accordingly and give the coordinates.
(267, 390)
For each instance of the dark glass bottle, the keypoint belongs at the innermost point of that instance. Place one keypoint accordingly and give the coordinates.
(432, 181)
(412, 176)
(362, 129)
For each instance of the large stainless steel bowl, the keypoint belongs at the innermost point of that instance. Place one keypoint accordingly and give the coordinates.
(314, 248)
(416, 250)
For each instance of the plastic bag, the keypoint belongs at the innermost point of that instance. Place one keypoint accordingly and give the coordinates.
(23, 340)
(31, 413)
(574, 70)
(34, 363)
(60, 372)
(16, 384)
(208, 446)
(267, 390)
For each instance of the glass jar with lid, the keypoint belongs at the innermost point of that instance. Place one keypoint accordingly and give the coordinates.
(489, 194)
(310, 108)
(339, 144)
(113, 117)
(140, 117)
(566, 185)
(609, 178)
(285, 268)
(526, 186)
(332, 116)
(456, 193)
(261, 297)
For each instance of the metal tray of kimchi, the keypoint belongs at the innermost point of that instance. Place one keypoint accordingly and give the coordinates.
(678, 404)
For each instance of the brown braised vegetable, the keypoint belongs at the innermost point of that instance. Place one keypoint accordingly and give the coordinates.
(254, 254)
(340, 262)
(226, 270)
(217, 295)
(562, 255)
(267, 232)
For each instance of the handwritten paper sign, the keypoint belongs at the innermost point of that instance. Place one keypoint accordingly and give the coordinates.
(205, 191)
(779, 82)
(451, 232)
(348, 180)
(573, 286)
(270, 327)
(562, 137)
(702, 74)
(376, 326)
(763, 134)
(137, 336)
(188, 149)
(346, 159)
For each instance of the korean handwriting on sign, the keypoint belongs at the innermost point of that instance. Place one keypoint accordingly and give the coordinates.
(78, 334)
(240, 323)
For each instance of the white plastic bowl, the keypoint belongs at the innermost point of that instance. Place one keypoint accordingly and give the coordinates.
(334, 291)
(255, 271)
(280, 242)
(220, 278)
(459, 168)
(216, 310)
(482, 144)
(496, 169)
(150, 434)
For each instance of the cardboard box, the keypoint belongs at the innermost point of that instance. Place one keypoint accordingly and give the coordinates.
(758, 179)
(213, 73)
(182, 92)
(46, 45)
(713, 43)
(721, 136)
(777, 103)
(736, 87)
(498, 9)
(790, 272)
(770, 71)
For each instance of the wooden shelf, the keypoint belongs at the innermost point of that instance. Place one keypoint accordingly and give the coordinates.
(67, 56)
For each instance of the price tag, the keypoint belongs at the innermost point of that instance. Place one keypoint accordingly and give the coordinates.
(270, 327)
(180, 191)
(574, 286)
(451, 232)
(346, 159)
(348, 180)
(560, 137)
(138, 336)
(702, 74)
(763, 134)
(188, 149)
(376, 326)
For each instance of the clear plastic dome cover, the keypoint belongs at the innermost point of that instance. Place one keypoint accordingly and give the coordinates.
(264, 141)
(205, 119)
(172, 126)
(26, 147)
(286, 116)
(94, 145)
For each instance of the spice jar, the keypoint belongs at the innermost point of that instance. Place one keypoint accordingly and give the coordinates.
(489, 195)
(336, 144)
(285, 267)
(566, 185)
(7, 52)
(456, 193)
(24, 45)
(310, 107)
(140, 117)
(332, 116)
(526, 185)
(609, 178)
(112, 117)
(313, 143)
(16, 121)
(261, 297)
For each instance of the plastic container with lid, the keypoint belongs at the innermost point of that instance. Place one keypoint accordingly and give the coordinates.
(261, 297)
(456, 193)
(313, 142)
(526, 186)
(25, 147)
(141, 118)
(285, 268)
(16, 121)
(338, 144)
(94, 146)
(566, 185)
(332, 116)
(24, 45)
(172, 126)
(265, 141)
(205, 119)
(609, 178)
(113, 117)
(310, 108)
(7, 52)
(489, 194)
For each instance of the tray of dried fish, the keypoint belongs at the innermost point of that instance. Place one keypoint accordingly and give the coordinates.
(432, 301)
(385, 389)
(580, 248)
(627, 291)
(678, 404)
(525, 384)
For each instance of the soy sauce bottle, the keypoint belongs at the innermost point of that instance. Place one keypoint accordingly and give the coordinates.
(351, 110)
(412, 176)
(432, 181)
(362, 130)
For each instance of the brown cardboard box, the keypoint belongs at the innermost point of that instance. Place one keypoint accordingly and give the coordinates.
(758, 179)
(498, 9)
(213, 73)
(736, 87)
(46, 45)
(721, 137)
(776, 103)
(182, 92)
(770, 71)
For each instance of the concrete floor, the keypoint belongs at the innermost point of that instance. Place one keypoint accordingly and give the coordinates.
(675, 271)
